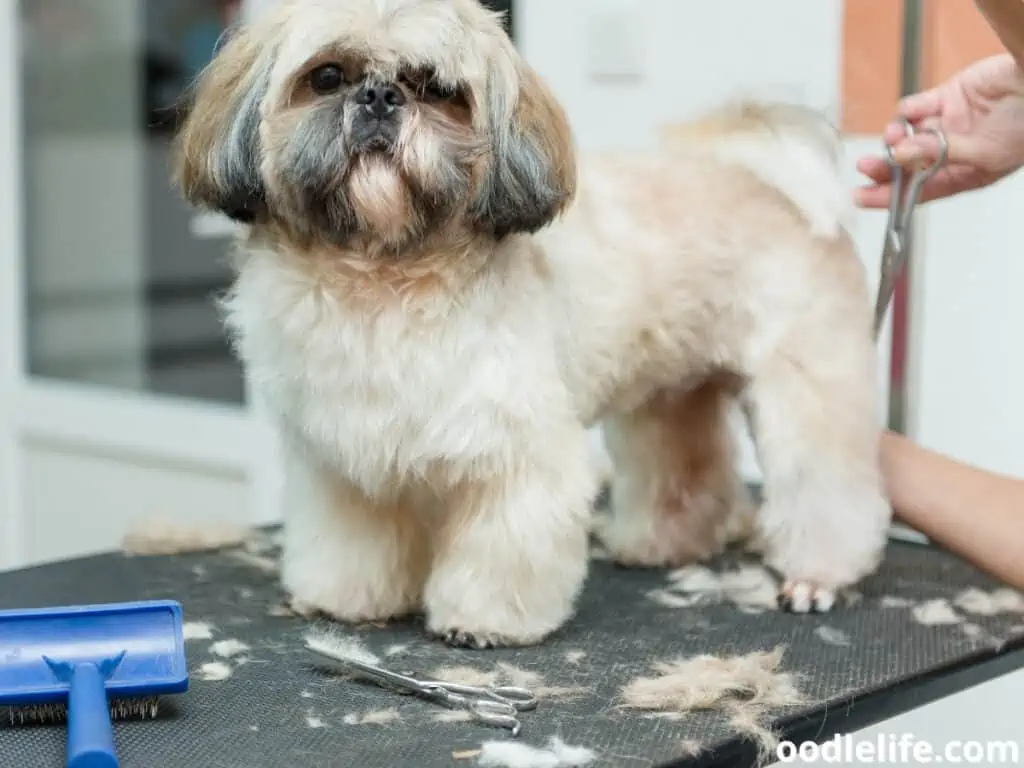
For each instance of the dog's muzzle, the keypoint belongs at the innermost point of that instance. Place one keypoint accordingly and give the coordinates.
(378, 114)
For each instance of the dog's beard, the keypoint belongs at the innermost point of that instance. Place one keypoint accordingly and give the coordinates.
(343, 183)
(381, 200)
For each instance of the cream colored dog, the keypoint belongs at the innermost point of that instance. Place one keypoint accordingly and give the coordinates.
(436, 304)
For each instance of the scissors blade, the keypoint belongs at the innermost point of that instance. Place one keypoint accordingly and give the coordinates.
(892, 264)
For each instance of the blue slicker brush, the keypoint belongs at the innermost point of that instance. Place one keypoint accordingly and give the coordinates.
(91, 663)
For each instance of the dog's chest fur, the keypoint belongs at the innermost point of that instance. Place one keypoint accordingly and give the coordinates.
(391, 389)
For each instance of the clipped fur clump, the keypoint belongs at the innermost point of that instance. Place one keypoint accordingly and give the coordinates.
(706, 682)
(832, 636)
(335, 645)
(228, 648)
(935, 613)
(215, 671)
(197, 630)
(375, 717)
(745, 688)
(162, 537)
(513, 754)
(981, 603)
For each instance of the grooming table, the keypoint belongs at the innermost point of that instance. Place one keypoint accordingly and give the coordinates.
(280, 711)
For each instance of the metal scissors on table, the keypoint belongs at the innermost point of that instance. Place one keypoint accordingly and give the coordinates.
(901, 212)
(493, 705)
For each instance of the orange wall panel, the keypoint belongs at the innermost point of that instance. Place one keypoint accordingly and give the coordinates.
(872, 63)
(954, 34)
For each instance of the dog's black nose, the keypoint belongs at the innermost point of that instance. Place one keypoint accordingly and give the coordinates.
(380, 99)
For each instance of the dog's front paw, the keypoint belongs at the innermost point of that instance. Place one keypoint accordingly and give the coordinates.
(491, 630)
(511, 559)
(457, 638)
(504, 609)
(820, 556)
(806, 597)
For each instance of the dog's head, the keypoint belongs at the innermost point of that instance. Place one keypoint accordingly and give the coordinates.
(383, 120)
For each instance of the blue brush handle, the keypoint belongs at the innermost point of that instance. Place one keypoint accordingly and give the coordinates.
(90, 733)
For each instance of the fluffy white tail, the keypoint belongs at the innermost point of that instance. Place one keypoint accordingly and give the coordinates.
(791, 148)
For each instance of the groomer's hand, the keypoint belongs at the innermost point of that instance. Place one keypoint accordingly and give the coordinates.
(981, 111)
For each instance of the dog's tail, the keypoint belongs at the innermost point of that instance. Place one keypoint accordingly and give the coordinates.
(793, 149)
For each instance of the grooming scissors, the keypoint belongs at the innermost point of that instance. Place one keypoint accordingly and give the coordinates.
(492, 705)
(901, 212)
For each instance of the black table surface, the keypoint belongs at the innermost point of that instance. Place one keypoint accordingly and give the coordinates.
(279, 709)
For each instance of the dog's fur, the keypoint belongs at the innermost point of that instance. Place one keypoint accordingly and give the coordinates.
(438, 307)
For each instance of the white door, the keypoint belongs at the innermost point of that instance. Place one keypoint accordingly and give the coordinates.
(120, 401)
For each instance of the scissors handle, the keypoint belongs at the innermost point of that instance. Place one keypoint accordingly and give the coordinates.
(495, 713)
(901, 212)
(520, 698)
(490, 711)
(901, 206)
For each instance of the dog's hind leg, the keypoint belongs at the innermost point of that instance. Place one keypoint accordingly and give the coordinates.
(824, 517)
(675, 485)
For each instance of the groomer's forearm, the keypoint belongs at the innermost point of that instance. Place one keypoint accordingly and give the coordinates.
(1006, 17)
(977, 515)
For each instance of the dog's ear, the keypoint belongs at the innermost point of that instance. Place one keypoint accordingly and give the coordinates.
(217, 151)
(532, 173)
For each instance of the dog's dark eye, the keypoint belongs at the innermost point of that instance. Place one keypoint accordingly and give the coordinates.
(437, 91)
(326, 79)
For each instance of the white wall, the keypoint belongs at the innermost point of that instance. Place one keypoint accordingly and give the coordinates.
(100, 495)
(967, 373)
(685, 56)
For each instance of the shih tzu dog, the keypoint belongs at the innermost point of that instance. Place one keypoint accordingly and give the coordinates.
(436, 303)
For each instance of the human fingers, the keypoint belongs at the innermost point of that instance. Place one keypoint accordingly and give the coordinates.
(894, 133)
(942, 185)
(917, 150)
(950, 180)
(875, 168)
(873, 196)
(925, 148)
(920, 106)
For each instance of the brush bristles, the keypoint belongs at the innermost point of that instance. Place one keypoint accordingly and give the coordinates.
(120, 709)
